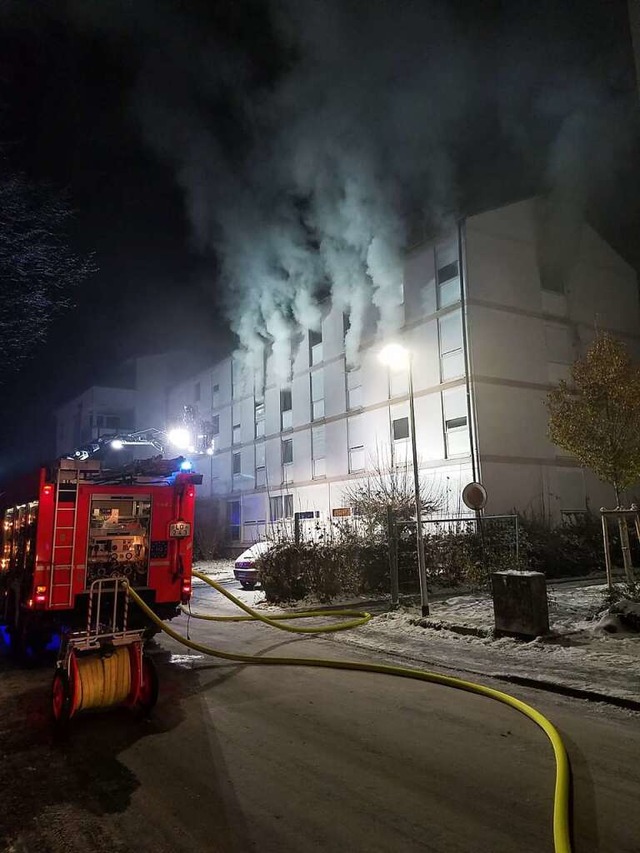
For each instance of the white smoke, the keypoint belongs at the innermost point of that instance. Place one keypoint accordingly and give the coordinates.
(302, 181)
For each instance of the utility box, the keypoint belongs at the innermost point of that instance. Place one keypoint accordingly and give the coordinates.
(520, 606)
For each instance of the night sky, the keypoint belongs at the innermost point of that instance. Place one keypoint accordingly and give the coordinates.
(229, 162)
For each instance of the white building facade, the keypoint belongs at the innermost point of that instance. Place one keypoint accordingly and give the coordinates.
(489, 334)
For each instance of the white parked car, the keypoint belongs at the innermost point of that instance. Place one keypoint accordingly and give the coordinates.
(244, 567)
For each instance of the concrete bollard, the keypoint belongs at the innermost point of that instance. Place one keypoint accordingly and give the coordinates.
(520, 606)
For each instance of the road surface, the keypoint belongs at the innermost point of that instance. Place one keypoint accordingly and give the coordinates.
(296, 759)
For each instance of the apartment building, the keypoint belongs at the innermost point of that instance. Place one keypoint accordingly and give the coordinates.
(490, 325)
(132, 398)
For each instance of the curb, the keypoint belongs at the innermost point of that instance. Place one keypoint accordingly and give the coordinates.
(572, 692)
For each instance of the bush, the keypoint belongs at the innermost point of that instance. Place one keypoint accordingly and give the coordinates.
(567, 550)
(344, 561)
(290, 571)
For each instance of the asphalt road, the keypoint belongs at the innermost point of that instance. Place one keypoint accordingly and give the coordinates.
(296, 759)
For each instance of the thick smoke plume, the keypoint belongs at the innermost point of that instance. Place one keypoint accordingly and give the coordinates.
(310, 143)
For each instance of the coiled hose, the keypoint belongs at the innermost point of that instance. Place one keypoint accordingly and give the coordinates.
(561, 830)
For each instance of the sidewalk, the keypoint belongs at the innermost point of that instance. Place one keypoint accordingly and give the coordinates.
(579, 657)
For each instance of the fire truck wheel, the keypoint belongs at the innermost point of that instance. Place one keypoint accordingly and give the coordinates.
(148, 695)
(61, 698)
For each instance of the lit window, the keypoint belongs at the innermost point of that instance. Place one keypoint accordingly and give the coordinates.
(234, 520)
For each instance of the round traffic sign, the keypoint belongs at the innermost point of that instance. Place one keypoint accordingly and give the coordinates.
(474, 496)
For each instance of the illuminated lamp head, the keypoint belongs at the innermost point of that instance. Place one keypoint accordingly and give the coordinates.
(179, 438)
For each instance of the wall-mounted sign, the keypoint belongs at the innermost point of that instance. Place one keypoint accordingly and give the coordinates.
(341, 512)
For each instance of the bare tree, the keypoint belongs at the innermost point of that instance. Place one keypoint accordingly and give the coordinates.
(38, 269)
(388, 488)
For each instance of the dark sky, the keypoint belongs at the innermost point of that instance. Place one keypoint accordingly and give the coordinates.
(226, 158)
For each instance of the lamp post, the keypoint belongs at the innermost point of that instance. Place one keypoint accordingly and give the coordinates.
(396, 356)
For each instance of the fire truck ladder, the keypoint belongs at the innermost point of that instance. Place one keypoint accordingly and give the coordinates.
(65, 520)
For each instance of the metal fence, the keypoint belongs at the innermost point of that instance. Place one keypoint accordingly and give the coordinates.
(458, 550)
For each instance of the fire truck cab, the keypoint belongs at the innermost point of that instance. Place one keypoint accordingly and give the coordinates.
(80, 523)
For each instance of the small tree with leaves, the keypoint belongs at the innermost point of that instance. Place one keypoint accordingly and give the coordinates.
(597, 416)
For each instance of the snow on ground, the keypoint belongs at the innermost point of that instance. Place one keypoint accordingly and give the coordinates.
(217, 570)
(578, 653)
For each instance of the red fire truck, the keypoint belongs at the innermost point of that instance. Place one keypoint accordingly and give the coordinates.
(78, 523)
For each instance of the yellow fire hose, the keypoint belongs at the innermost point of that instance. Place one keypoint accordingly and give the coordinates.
(561, 830)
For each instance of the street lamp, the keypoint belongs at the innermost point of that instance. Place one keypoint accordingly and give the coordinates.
(397, 357)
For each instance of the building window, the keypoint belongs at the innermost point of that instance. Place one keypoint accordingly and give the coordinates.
(215, 397)
(196, 392)
(215, 425)
(261, 469)
(450, 340)
(315, 347)
(355, 437)
(400, 429)
(237, 429)
(318, 451)
(234, 520)
(346, 324)
(317, 395)
(259, 419)
(286, 414)
(447, 274)
(275, 508)
(288, 506)
(237, 379)
(354, 389)
(398, 382)
(456, 427)
(280, 507)
(287, 451)
(236, 463)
